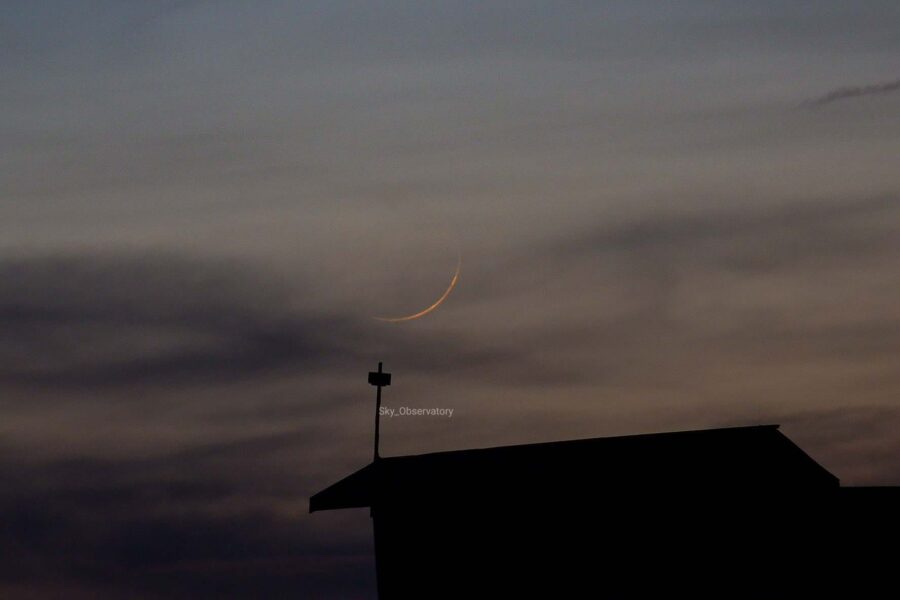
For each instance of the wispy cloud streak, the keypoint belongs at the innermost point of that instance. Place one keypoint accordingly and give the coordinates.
(846, 93)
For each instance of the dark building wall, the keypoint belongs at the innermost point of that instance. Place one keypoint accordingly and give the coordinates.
(704, 545)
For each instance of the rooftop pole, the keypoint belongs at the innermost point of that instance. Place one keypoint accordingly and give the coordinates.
(379, 379)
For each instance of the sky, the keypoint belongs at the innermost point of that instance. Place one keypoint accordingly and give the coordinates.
(669, 216)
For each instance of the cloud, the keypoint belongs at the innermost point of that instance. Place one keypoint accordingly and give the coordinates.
(698, 313)
(673, 320)
(98, 321)
(104, 320)
(729, 311)
(672, 230)
(645, 266)
(846, 93)
(178, 525)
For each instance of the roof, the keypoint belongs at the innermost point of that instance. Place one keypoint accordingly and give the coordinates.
(758, 457)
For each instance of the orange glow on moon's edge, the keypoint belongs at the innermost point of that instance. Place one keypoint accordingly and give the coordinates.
(433, 306)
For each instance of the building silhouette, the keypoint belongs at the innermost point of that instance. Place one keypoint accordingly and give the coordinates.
(725, 513)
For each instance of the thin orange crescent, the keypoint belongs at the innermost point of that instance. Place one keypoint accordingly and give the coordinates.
(433, 306)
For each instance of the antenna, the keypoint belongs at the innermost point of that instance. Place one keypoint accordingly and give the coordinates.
(379, 379)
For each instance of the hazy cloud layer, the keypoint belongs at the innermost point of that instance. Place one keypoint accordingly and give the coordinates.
(99, 320)
(203, 204)
(782, 314)
(673, 320)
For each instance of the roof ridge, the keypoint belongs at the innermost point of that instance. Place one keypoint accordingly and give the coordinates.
(582, 440)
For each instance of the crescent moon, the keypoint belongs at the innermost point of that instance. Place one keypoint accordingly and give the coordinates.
(439, 301)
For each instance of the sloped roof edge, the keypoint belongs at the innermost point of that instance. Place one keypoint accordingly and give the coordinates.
(357, 489)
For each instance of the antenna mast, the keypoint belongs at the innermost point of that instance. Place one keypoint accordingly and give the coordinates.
(379, 379)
